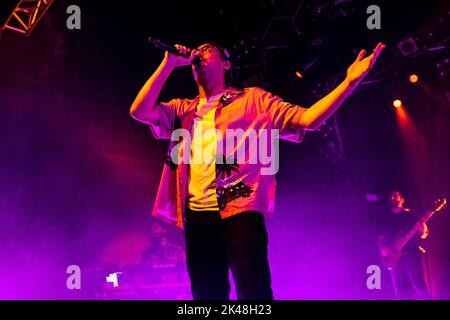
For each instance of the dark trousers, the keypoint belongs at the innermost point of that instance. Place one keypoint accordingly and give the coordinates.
(408, 278)
(213, 245)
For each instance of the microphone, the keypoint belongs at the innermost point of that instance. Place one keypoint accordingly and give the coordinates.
(171, 49)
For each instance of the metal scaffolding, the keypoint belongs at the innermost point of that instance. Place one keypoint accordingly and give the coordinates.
(26, 15)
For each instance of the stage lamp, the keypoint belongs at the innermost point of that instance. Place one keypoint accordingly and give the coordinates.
(413, 78)
(298, 74)
(397, 103)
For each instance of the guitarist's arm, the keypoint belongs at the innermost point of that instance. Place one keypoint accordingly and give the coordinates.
(385, 250)
(423, 228)
(425, 232)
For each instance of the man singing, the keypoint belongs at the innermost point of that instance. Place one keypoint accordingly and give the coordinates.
(221, 202)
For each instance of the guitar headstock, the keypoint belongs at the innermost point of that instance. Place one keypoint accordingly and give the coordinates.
(440, 204)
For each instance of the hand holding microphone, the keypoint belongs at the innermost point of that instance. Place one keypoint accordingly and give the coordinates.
(186, 58)
(177, 55)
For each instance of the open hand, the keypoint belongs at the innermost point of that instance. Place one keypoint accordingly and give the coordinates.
(362, 65)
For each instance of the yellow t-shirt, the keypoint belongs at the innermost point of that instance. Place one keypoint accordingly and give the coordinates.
(202, 170)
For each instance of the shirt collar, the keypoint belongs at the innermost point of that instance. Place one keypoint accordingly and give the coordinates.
(212, 98)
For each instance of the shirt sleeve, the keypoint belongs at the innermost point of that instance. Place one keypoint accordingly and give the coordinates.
(168, 112)
(283, 116)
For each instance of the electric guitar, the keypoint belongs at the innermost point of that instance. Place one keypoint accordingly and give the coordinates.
(390, 255)
(232, 191)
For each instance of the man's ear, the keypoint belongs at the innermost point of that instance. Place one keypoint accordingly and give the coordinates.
(227, 65)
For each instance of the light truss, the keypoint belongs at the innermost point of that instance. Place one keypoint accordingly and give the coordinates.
(26, 15)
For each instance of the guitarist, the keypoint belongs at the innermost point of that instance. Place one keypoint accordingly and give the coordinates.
(408, 274)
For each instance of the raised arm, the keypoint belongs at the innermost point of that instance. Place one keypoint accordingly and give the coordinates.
(144, 105)
(319, 112)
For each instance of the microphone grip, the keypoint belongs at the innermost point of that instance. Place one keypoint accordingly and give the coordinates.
(171, 49)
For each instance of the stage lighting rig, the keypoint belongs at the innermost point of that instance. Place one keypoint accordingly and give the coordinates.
(22, 16)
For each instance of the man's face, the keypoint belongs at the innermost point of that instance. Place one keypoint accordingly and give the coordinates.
(211, 63)
(396, 200)
(156, 229)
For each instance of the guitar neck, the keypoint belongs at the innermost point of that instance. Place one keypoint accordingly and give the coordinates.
(410, 234)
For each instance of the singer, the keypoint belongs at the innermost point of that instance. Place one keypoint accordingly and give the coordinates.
(222, 204)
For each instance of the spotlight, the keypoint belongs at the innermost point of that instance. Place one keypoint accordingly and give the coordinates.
(397, 103)
(413, 78)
